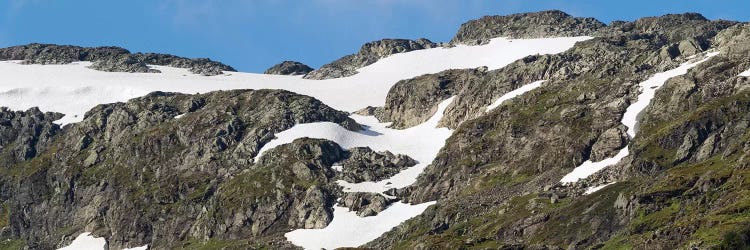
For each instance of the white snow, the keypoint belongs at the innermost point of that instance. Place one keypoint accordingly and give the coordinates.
(592, 190)
(516, 92)
(745, 73)
(338, 168)
(74, 89)
(347, 229)
(630, 118)
(179, 116)
(86, 241)
(137, 248)
(421, 142)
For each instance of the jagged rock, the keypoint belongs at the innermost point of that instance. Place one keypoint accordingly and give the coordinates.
(122, 63)
(553, 23)
(23, 134)
(366, 204)
(288, 68)
(111, 59)
(363, 164)
(369, 53)
(609, 143)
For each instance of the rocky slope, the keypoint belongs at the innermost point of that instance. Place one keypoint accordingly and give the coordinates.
(369, 53)
(182, 171)
(497, 178)
(526, 25)
(112, 59)
(289, 68)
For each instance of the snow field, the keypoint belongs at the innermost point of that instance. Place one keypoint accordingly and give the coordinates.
(73, 89)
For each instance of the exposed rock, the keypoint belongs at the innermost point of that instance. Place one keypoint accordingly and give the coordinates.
(363, 164)
(111, 59)
(609, 143)
(24, 134)
(553, 23)
(366, 204)
(498, 174)
(122, 63)
(289, 68)
(369, 53)
(153, 176)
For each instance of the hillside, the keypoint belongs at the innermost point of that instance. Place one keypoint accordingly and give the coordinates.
(527, 131)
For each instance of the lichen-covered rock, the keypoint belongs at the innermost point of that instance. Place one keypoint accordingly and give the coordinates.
(369, 53)
(363, 164)
(552, 23)
(289, 68)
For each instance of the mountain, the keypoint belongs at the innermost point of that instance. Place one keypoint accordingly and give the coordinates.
(527, 131)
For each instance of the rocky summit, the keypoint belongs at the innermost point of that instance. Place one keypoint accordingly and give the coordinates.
(661, 104)
(111, 59)
(289, 68)
(369, 53)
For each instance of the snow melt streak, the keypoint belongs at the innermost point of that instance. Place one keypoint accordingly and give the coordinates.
(630, 118)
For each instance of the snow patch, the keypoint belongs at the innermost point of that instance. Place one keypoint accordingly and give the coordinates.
(745, 73)
(592, 190)
(516, 92)
(73, 89)
(630, 119)
(179, 116)
(347, 229)
(421, 142)
(86, 241)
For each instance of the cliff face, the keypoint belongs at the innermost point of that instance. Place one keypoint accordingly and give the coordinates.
(183, 171)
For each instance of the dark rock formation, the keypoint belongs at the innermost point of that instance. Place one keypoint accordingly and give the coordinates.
(289, 68)
(111, 59)
(366, 204)
(24, 134)
(363, 164)
(553, 23)
(369, 53)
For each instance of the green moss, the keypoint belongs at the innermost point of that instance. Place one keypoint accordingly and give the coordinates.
(218, 244)
(12, 244)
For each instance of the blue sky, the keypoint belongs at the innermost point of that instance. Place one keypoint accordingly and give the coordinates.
(253, 35)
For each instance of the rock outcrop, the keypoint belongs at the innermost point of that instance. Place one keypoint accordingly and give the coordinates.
(366, 204)
(553, 23)
(113, 59)
(369, 53)
(363, 164)
(289, 68)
